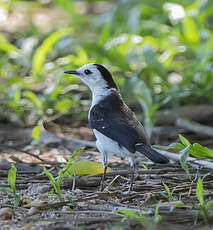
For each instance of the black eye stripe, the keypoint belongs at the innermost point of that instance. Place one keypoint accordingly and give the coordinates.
(87, 71)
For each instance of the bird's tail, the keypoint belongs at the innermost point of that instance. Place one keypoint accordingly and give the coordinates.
(151, 153)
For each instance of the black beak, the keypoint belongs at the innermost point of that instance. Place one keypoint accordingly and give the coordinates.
(72, 72)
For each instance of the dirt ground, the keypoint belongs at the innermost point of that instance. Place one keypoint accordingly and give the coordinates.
(85, 206)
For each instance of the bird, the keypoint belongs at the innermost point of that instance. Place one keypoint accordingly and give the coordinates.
(115, 126)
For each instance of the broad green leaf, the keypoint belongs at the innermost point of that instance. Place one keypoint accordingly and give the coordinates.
(36, 132)
(41, 52)
(199, 191)
(184, 140)
(86, 168)
(6, 46)
(190, 30)
(198, 150)
(30, 95)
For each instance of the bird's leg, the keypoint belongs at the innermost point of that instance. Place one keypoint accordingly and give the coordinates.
(105, 169)
(132, 174)
(103, 179)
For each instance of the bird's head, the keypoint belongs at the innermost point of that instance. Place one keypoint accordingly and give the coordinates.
(95, 76)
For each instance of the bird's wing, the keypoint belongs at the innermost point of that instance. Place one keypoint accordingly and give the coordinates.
(114, 128)
(114, 119)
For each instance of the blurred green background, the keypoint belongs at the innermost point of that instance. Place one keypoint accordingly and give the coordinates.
(160, 54)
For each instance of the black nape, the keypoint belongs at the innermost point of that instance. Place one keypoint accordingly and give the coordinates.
(107, 76)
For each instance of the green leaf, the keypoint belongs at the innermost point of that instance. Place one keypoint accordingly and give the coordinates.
(183, 160)
(129, 213)
(144, 96)
(69, 5)
(153, 62)
(36, 132)
(76, 152)
(41, 52)
(209, 204)
(198, 150)
(157, 218)
(190, 30)
(12, 178)
(184, 141)
(177, 146)
(63, 105)
(85, 167)
(30, 95)
(70, 161)
(199, 191)
(105, 34)
(51, 178)
(178, 205)
(55, 184)
(6, 46)
(168, 192)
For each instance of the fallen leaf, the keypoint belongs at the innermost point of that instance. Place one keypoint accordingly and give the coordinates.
(86, 168)
(27, 227)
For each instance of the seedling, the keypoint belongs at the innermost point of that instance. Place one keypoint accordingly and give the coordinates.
(12, 183)
(61, 174)
(204, 207)
(148, 222)
(169, 193)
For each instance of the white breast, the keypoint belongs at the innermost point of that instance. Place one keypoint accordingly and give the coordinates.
(110, 147)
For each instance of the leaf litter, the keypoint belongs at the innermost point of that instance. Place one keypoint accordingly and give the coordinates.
(164, 196)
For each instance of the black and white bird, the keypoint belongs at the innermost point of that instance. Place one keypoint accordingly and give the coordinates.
(115, 126)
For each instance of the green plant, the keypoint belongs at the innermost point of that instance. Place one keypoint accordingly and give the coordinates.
(185, 148)
(12, 183)
(169, 193)
(195, 149)
(204, 207)
(145, 220)
(144, 97)
(56, 182)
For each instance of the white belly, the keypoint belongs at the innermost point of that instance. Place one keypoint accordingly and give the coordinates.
(107, 146)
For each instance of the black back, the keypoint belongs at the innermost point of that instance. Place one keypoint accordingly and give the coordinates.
(110, 118)
(107, 76)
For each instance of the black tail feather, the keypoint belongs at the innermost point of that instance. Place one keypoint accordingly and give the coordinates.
(151, 153)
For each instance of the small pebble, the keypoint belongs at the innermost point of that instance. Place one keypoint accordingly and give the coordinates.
(6, 213)
(66, 209)
(32, 211)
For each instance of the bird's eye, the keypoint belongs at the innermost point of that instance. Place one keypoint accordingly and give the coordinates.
(87, 71)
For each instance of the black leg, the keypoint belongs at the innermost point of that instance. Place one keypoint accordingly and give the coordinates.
(103, 178)
(105, 169)
(132, 177)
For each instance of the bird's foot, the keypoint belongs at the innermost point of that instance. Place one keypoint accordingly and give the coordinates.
(102, 186)
(132, 172)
